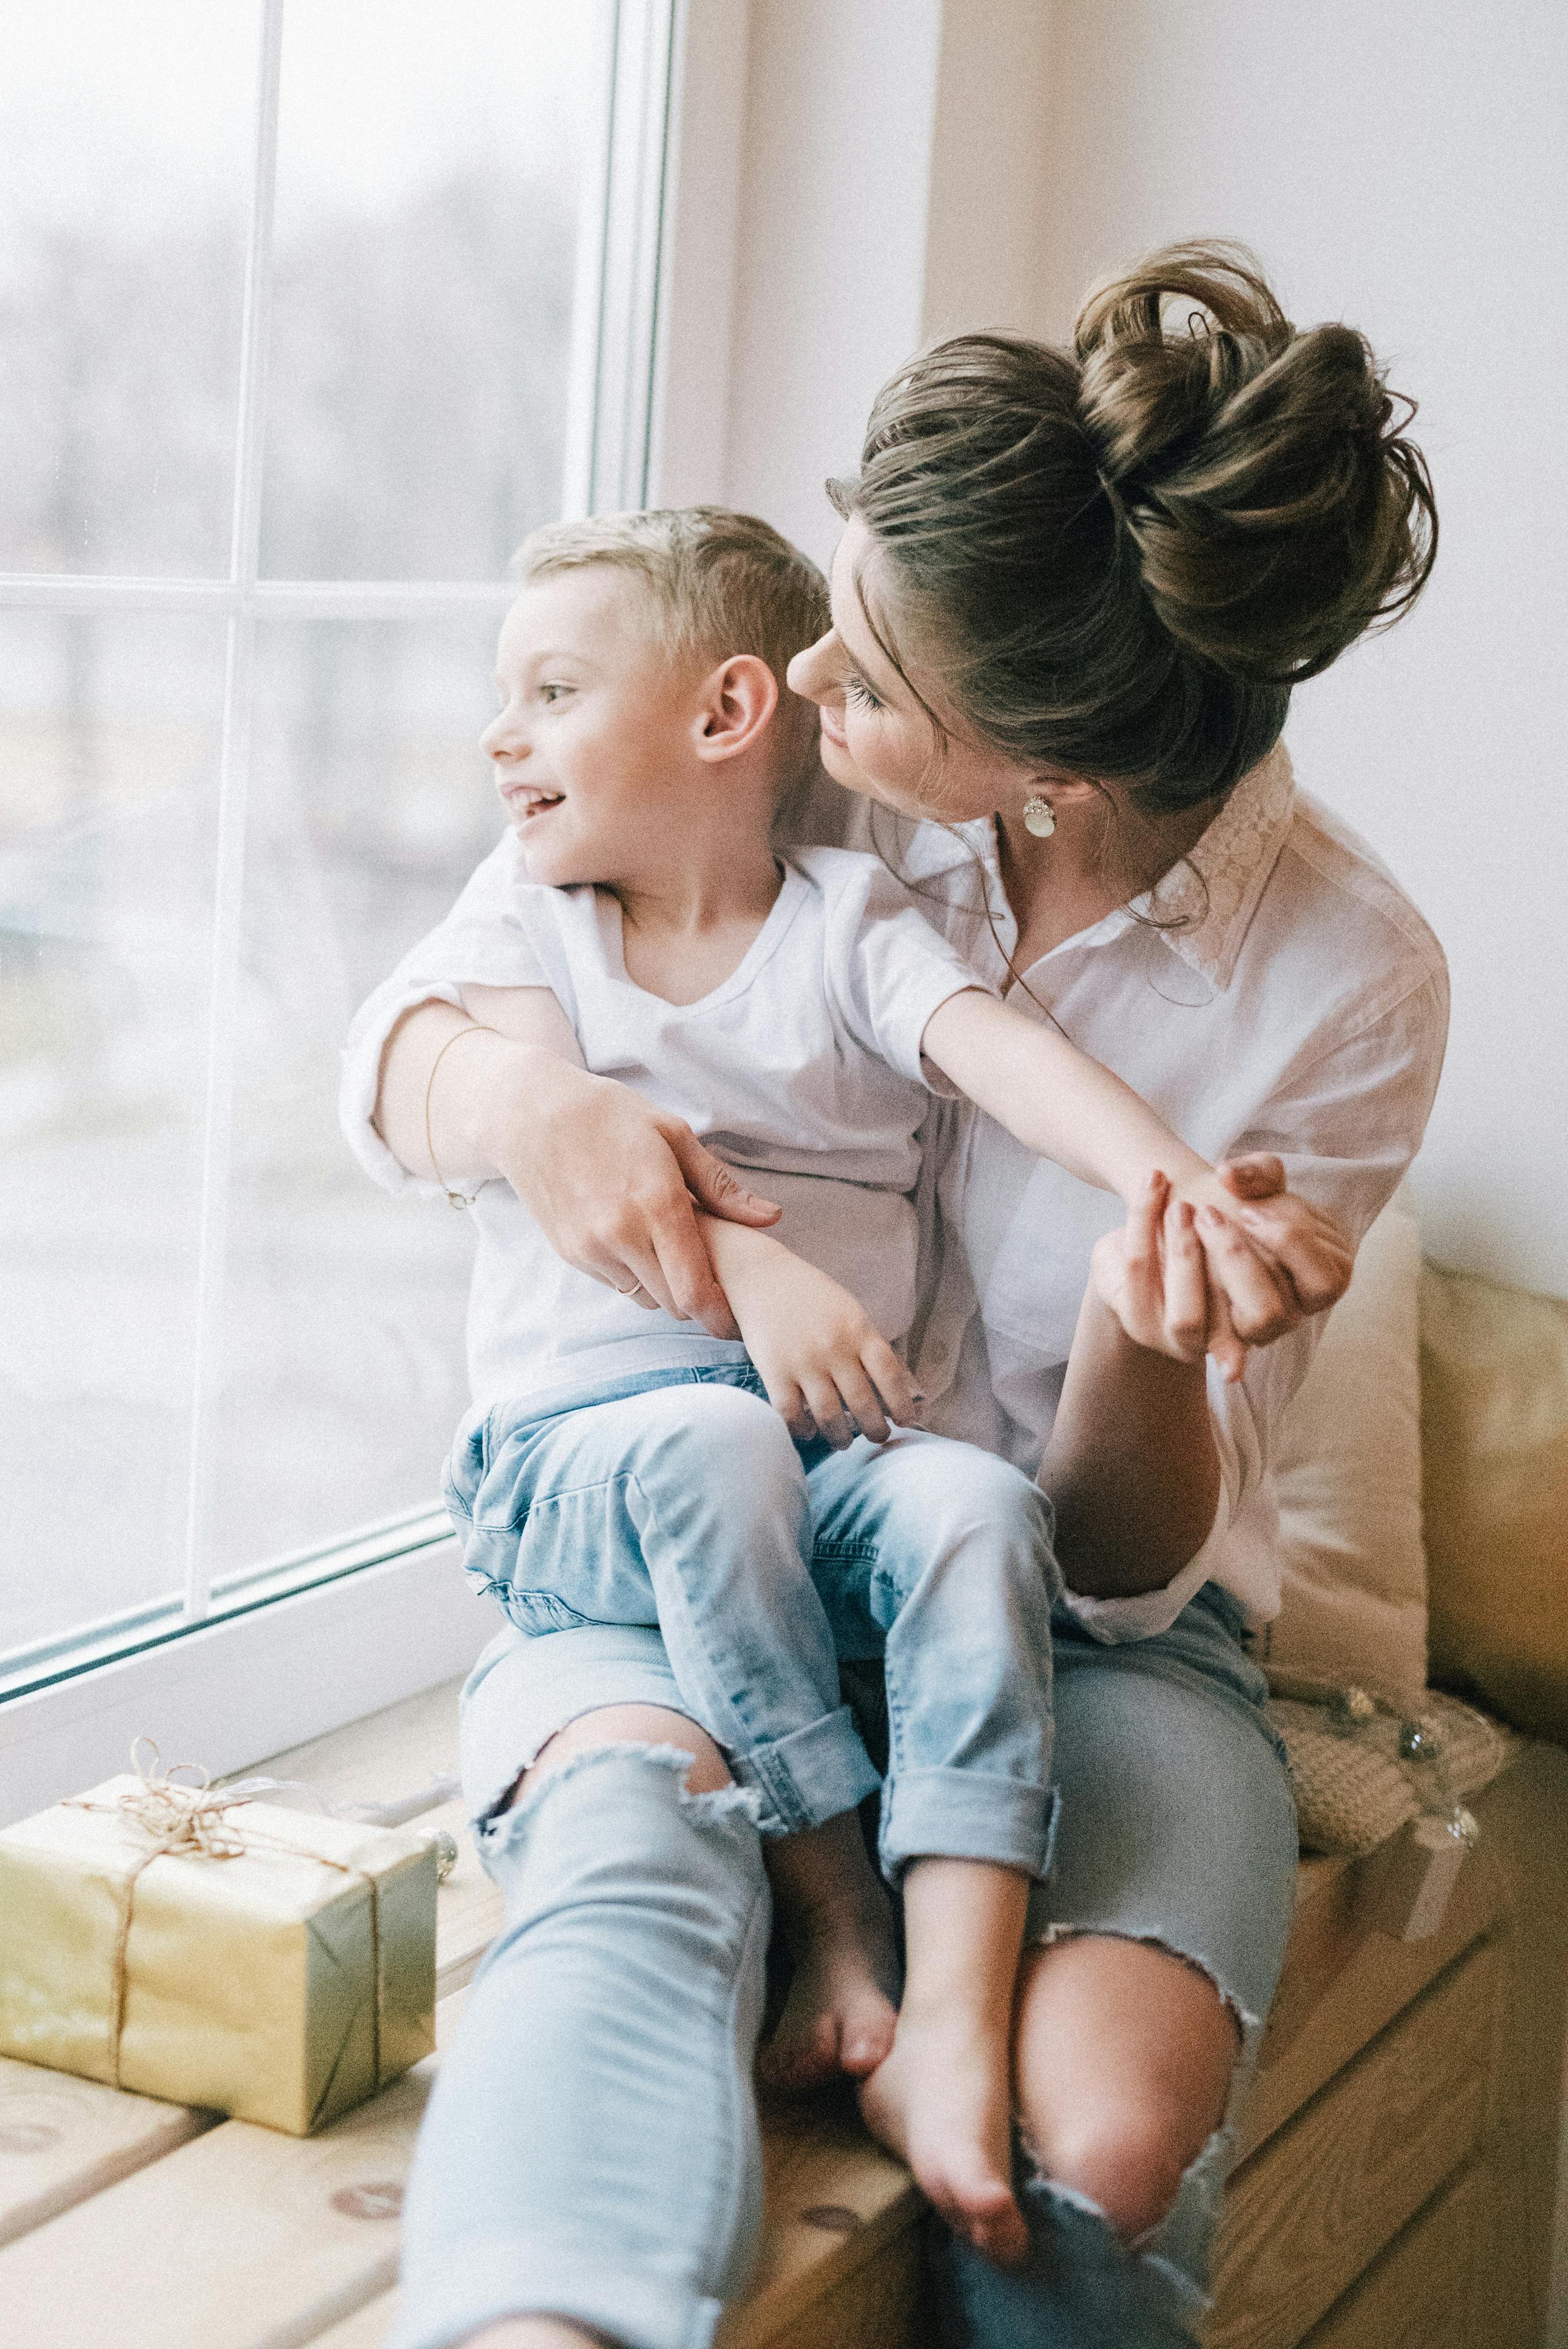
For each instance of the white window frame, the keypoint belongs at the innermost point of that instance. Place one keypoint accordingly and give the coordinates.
(237, 1667)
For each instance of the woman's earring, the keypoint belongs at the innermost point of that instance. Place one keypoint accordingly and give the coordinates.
(1039, 816)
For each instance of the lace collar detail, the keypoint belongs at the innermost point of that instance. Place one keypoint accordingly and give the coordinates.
(1211, 895)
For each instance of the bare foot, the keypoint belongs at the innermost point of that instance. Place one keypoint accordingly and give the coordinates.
(942, 2100)
(839, 2015)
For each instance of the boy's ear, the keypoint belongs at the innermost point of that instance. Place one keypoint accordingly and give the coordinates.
(738, 701)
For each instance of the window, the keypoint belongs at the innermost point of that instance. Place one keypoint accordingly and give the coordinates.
(309, 310)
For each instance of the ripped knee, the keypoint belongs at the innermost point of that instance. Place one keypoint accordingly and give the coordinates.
(1127, 2054)
(629, 1725)
(1127, 2163)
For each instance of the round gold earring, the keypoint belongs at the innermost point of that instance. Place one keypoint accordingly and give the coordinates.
(1039, 816)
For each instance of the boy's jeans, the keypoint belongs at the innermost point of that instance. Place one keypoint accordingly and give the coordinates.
(678, 1499)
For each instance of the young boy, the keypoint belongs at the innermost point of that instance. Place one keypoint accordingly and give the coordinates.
(618, 1467)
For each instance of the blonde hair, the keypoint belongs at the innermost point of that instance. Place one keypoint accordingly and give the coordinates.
(718, 583)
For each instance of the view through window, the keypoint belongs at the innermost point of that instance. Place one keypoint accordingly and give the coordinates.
(291, 357)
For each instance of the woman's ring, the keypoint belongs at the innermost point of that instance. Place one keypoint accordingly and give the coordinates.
(631, 1291)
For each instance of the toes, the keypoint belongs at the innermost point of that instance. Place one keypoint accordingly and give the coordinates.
(866, 2041)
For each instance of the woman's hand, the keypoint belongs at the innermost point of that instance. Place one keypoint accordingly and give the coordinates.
(1305, 1243)
(827, 1369)
(614, 1184)
(1186, 1279)
(1153, 1273)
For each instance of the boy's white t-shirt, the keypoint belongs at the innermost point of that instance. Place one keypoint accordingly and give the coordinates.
(802, 1069)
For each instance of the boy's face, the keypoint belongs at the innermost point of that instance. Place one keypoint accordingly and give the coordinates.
(596, 726)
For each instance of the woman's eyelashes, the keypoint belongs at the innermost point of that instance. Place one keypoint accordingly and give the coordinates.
(856, 691)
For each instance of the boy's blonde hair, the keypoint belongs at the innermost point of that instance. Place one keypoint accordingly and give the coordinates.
(718, 583)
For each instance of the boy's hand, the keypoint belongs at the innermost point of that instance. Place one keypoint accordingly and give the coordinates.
(827, 1367)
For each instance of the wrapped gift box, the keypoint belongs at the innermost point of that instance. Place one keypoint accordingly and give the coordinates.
(260, 1962)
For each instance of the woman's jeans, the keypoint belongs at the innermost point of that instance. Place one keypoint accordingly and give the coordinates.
(590, 2149)
(678, 1501)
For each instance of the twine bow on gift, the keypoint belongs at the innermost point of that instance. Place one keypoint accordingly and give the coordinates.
(190, 1822)
(178, 1818)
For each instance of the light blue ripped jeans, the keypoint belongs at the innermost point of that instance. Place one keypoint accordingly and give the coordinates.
(676, 1500)
(590, 2149)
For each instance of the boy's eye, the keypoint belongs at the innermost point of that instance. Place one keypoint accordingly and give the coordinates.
(856, 689)
(552, 690)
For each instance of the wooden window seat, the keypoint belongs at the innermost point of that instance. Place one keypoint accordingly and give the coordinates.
(1395, 2187)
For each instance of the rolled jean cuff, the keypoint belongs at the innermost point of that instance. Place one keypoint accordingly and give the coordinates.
(966, 1814)
(812, 1774)
(537, 2275)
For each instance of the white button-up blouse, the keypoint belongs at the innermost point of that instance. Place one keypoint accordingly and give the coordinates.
(1277, 991)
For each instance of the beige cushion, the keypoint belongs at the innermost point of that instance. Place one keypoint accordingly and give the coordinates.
(1348, 1477)
(1494, 1377)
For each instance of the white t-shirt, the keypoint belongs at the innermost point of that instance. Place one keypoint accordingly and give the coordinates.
(803, 1068)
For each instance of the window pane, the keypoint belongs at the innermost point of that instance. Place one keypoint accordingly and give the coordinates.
(369, 806)
(108, 753)
(426, 219)
(125, 157)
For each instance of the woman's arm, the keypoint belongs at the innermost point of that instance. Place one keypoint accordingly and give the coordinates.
(1131, 1466)
(612, 1182)
(1072, 1110)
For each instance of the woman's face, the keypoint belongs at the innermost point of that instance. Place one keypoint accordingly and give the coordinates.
(876, 737)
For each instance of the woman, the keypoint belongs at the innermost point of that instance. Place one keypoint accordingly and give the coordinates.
(1071, 599)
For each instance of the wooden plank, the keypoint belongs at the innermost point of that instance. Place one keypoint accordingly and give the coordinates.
(1311, 2211)
(1343, 1981)
(469, 1907)
(281, 2238)
(394, 1753)
(245, 2237)
(1523, 1818)
(875, 2307)
(1415, 2295)
(833, 2201)
(62, 2139)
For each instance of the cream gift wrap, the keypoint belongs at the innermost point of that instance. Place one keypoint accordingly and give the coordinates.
(214, 1951)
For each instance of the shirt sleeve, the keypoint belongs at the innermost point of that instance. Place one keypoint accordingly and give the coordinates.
(891, 969)
(1346, 1125)
(484, 942)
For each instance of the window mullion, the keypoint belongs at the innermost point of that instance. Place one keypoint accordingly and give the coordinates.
(234, 777)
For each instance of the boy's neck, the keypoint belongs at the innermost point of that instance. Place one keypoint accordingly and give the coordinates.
(686, 929)
(705, 886)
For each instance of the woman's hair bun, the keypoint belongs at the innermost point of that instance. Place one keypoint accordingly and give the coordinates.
(1262, 475)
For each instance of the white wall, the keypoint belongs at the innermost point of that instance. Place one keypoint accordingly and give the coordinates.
(830, 285)
(911, 168)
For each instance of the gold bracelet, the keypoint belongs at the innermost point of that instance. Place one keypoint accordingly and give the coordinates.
(474, 1028)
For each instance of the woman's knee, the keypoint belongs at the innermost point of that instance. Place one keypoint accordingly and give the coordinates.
(630, 1725)
(1127, 2159)
(1125, 2055)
